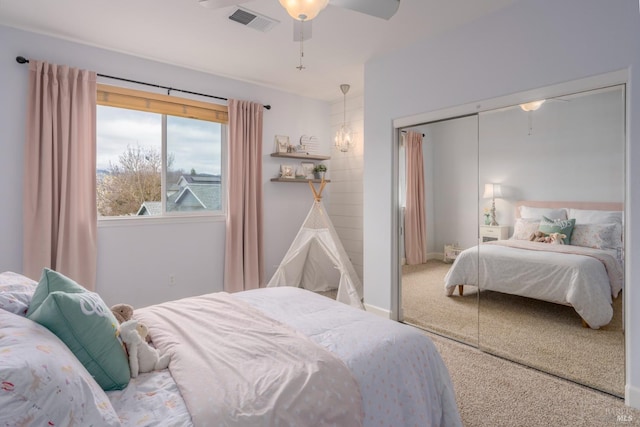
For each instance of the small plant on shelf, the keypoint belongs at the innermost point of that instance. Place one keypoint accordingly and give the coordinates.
(319, 170)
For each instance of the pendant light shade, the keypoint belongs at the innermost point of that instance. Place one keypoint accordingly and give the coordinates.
(344, 136)
(303, 10)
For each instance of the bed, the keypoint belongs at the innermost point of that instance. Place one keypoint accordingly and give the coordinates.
(275, 356)
(585, 273)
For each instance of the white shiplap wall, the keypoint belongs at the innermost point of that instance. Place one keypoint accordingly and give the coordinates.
(346, 170)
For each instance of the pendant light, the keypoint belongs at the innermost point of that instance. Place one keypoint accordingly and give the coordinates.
(344, 136)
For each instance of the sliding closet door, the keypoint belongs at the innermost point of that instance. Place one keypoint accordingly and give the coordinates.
(451, 177)
(569, 151)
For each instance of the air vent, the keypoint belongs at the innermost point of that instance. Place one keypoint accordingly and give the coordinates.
(252, 19)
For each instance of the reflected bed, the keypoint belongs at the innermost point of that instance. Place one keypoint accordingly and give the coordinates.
(586, 273)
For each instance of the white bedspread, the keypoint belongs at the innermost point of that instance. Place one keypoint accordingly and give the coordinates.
(569, 275)
(402, 378)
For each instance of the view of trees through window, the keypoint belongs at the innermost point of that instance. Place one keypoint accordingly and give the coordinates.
(130, 163)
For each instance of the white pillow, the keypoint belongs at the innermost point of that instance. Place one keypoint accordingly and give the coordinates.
(16, 292)
(524, 227)
(538, 213)
(43, 383)
(583, 216)
(598, 236)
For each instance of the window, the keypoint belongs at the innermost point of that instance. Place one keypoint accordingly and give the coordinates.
(158, 155)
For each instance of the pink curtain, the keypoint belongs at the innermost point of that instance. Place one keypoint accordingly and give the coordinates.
(415, 236)
(59, 201)
(243, 263)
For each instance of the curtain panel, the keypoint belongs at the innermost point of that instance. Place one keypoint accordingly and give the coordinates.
(59, 200)
(244, 262)
(415, 237)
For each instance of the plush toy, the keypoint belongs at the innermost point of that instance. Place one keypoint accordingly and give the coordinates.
(557, 238)
(122, 312)
(537, 236)
(142, 357)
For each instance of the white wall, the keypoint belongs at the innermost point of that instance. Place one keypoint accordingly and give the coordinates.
(134, 263)
(522, 47)
(574, 152)
(455, 177)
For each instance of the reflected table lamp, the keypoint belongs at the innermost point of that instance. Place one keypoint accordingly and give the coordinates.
(491, 191)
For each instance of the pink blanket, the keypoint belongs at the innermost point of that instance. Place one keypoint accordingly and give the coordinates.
(237, 367)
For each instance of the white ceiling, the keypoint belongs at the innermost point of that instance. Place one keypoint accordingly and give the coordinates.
(183, 33)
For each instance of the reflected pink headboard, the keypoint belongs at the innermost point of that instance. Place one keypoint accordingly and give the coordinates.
(596, 206)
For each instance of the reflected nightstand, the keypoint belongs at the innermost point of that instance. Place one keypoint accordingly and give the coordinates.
(496, 232)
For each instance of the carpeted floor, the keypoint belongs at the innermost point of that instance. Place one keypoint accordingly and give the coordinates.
(543, 335)
(491, 391)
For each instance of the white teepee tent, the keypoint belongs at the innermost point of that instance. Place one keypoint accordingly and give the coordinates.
(317, 260)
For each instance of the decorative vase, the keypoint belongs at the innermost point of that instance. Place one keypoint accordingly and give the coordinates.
(487, 220)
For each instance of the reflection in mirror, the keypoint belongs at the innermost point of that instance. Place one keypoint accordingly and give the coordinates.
(450, 178)
(555, 303)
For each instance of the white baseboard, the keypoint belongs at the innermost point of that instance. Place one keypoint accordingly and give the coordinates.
(434, 255)
(377, 311)
(430, 256)
(632, 396)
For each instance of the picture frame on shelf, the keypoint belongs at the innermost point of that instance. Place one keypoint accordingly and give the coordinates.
(282, 144)
(308, 169)
(287, 172)
(310, 143)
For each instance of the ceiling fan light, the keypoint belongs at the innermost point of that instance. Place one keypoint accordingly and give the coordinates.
(532, 106)
(303, 10)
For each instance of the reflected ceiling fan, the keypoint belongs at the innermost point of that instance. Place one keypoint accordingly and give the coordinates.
(303, 11)
(306, 10)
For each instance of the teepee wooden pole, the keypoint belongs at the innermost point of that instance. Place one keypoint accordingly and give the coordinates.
(317, 195)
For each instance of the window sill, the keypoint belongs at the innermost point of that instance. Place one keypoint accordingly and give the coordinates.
(141, 221)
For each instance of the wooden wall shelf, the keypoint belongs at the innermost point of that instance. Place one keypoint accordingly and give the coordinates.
(300, 156)
(297, 180)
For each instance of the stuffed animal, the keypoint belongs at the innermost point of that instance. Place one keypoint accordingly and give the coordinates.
(557, 238)
(142, 357)
(122, 312)
(537, 236)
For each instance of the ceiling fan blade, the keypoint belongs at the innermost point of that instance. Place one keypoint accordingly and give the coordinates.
(217, 4)
(384, 9)
(302, 30)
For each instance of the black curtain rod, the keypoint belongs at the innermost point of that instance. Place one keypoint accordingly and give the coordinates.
(404, 131)
(23, 60)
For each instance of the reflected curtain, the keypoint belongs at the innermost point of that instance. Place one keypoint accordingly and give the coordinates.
(244, 264)
(59, 200)
(415, 237)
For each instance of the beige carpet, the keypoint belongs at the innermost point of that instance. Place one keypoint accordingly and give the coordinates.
(494, 392)
(545, 336)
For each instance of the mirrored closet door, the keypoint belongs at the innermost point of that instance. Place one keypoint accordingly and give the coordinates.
(493, 181)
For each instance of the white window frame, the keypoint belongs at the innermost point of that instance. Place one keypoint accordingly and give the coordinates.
(220, 114)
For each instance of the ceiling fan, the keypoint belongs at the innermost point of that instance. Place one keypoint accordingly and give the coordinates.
(384, 9)
(303, 11)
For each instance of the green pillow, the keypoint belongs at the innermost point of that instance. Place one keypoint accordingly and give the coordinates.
(564, 226)
(52, 281)
(86, 325)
